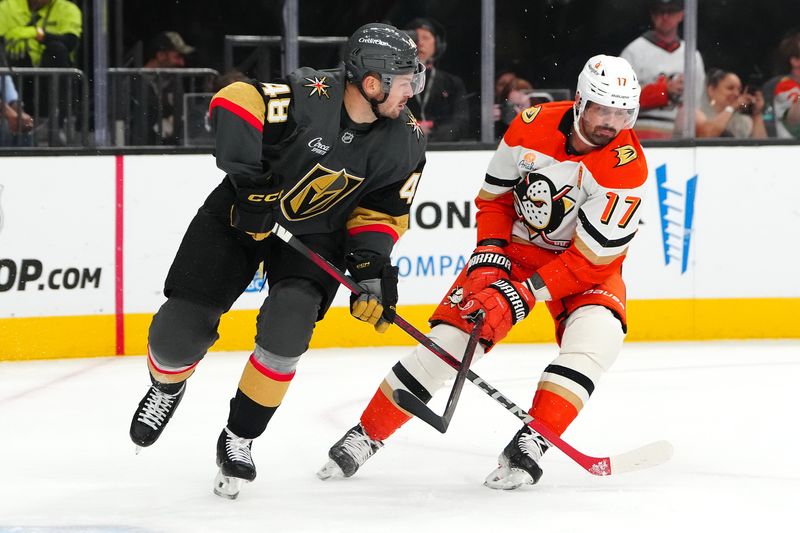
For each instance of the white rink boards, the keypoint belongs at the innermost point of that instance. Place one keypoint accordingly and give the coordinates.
(710, 260)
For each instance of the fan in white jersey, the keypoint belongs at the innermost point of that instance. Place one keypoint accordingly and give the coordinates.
(657, 56)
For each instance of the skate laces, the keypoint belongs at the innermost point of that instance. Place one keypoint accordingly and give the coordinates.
(156, 407)
(533, 445)
(238, 448)
(360, 446)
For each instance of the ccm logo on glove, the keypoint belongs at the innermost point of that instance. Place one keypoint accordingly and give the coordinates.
(269, 198)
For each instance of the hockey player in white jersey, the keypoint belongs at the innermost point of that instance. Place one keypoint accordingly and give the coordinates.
(556, 213)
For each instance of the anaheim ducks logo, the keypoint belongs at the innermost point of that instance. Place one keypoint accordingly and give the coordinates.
(455, 297)
(318, 191)
(625, 154)
(529, 114)
(542, 207)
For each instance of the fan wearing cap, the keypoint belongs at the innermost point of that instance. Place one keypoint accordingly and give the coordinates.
(335, 157)
(168, 50)
(154, 102)
(557, 211)
(657, 56)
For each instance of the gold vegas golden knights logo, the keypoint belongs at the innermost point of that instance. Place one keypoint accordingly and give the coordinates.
(317, 192)
(625, 154)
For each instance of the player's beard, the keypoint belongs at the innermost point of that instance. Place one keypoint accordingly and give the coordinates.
(390, 110)
(598, 135)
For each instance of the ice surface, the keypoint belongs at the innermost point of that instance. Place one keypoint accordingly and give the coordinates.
(730, 410)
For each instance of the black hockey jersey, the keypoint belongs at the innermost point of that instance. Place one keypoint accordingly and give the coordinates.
(332, 173)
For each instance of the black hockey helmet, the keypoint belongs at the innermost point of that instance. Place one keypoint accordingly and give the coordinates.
(386, 51)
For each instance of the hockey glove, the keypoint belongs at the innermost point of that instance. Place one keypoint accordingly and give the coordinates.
(377, 278)
(487, 264)
(252, 212)
(505, 303)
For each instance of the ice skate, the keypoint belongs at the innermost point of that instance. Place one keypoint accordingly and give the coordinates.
(519, 462)
(154, 411)
(235, 464)
(349, 453)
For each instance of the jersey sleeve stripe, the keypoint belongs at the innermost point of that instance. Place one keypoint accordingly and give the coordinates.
(363, 220)
(237, 110)
(380, 228)
(599, 237)
(592, 257)
(491, 180)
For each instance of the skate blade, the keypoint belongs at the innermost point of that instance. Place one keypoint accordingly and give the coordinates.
(330, 470)
(228, 487)
(138, 449)
(505, 478)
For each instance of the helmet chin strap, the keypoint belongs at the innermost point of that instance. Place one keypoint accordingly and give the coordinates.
(373, 103)
(576, 126)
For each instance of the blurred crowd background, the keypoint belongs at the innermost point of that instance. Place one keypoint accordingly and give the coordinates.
(165, 58)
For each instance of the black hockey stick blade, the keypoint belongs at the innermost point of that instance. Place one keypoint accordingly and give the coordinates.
(418, 408)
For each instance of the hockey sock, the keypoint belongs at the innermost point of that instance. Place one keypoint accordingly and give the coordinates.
(260, 392)
(555, 411)
(591, 342)
(382, 417)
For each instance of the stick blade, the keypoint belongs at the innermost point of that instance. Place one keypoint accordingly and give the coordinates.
(647, 456)
(417, 407)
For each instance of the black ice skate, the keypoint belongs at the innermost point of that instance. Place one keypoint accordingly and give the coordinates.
(235, 464)
(519, 462)
(349, 453)
(154, 411)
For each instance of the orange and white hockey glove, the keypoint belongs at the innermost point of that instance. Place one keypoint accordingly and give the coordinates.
(487, 264)
(505, 303)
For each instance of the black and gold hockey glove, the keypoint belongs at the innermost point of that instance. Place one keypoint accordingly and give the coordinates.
(252, 212)
(377, 303)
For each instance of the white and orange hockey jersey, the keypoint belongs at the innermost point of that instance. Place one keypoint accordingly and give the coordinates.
(584, 208)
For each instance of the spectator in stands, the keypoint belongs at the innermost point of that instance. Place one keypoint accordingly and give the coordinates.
(40, 33)
(514, 98)
(657, 56)
(786, 94)
(441, 108)
(503, 79)
(46, 34)
(728, 111)
(154, 101)
(15, 124)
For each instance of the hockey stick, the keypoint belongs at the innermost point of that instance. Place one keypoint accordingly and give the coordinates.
(646, 456)
(418, 408)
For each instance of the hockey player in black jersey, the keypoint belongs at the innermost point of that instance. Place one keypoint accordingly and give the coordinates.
(335, 157)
